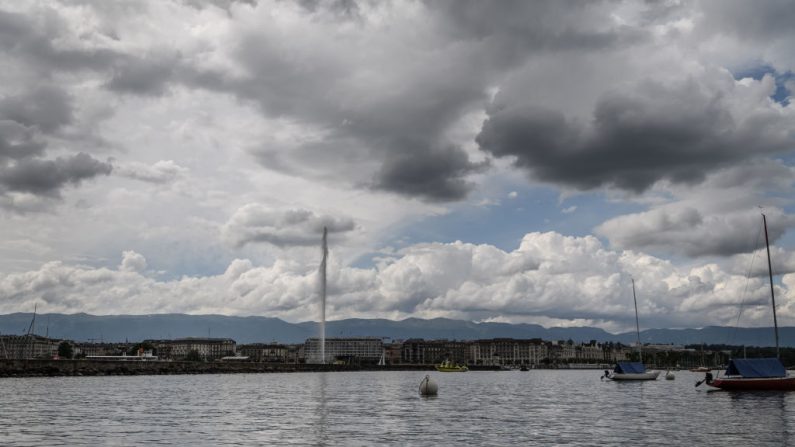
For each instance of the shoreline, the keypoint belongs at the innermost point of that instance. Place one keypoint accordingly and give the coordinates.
(66, 368)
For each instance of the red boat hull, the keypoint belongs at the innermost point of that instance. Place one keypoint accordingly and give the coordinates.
(765, 384)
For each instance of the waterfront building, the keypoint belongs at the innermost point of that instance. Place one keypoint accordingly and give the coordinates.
(620, 353)
(264, 352)
(567, 352)
(393, 352)
(418, 351)
(28, 347)
(361, 350)
(141, 356)
(592, 352)
(208, 349)
(509, 352)
(295, 353)
(98, 349)
(663, 347)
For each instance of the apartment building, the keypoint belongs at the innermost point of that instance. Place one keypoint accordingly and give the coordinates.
(264, 352)
(209, 349)
(28, 347)
(357, 350)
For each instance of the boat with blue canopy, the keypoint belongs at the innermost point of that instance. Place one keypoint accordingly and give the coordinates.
(754, 374)
(765, 374)
(633, 370)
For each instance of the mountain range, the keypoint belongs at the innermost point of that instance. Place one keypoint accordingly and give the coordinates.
(117, 328)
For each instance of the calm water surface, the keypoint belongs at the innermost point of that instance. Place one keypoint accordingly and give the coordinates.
(369, 408)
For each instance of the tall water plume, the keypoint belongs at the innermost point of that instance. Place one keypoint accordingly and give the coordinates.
(323, 297)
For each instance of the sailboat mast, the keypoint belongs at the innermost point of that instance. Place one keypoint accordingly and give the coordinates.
(637, 324)
(31, 330)
(32, 326)
(770, 275)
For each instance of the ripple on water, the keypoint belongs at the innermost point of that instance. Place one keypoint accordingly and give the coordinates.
(365, 408)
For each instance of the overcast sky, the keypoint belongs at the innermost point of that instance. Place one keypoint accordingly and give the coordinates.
(490, 161)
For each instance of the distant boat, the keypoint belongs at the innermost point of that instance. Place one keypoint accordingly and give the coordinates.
(700, 369)
(524, 368)
(448, 366)
(766, 374)
(633, 370)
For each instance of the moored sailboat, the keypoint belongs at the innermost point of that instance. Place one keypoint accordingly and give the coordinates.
(764, 374)
(633, 370)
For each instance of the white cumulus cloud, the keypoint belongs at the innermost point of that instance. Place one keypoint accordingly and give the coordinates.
(132, 262)
(548, 277)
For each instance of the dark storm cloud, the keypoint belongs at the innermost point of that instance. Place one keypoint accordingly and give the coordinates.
(635, 139)
(344, 8)
(149, 75)
(41, 110)
(511, 29)
(223, 4)
(437, 175)
(716, 217)
(690, 232)
(32, 41)
(46, 108)
(366, 105)
(26, 120)
(47, 177)
(18, 141)
(361, 122)
(419, 93)
(254, 223)
(761, 20)
(371, 109)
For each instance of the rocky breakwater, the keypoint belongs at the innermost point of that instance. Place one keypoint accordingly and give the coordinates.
(51, 368)
(44, 368)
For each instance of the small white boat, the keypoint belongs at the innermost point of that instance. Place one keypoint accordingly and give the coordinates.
(669, 375)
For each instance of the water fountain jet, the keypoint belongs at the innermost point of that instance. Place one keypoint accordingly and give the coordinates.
(323, 298)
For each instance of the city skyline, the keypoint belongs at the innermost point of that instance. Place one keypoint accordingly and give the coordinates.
(498, 162)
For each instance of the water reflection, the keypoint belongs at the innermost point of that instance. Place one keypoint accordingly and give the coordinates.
(321, 407)
(767, 411)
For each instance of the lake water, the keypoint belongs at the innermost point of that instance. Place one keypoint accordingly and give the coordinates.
(371, 408)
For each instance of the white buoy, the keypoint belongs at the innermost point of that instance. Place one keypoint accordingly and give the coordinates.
(428, 387)
(669, 375)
